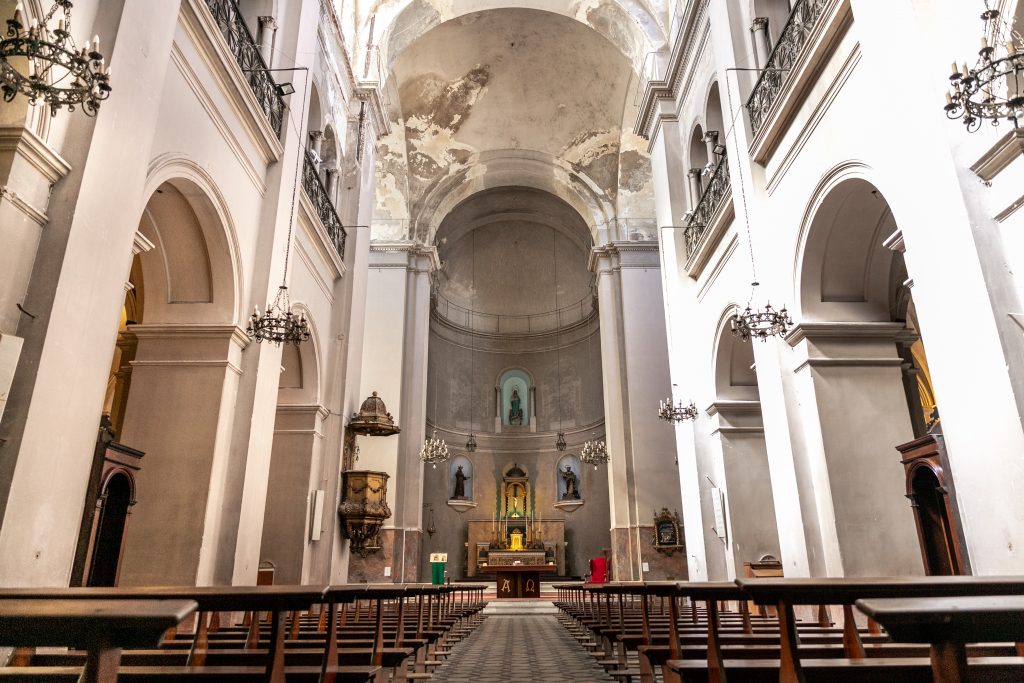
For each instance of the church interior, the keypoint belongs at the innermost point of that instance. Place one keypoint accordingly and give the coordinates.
(624, 340)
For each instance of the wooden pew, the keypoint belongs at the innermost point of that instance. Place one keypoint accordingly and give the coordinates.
(254, 663)
(100, 627)
(784, 594)
(947, 624)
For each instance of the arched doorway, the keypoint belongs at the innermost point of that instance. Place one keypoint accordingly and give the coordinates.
(117, 497)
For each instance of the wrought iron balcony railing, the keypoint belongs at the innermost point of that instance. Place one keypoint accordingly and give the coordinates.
(783, 58)
(247, 54)
(716, 192)
(322, 204)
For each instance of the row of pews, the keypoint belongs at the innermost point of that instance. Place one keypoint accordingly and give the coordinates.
(942, 629)
(354, 633)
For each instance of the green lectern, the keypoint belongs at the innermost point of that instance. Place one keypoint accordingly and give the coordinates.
(437, 563)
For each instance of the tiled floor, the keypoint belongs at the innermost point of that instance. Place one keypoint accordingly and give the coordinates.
(523, 649)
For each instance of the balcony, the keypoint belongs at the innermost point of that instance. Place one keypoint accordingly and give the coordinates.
(250, 61)
(806, 43)
(322, 204)
(712, 199)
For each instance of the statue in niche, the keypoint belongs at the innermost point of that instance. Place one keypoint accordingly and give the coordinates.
(515, 412)
(460, 484)
(572, 488)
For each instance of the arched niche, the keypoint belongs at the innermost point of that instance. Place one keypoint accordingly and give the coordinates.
(573, 464)
(844, 265)
(467, 470)
(735, 377)
(299, 383)
(190, 275)
(513, 385)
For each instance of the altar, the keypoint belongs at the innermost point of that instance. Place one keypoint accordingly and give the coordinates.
(517, 580)
(516, 535)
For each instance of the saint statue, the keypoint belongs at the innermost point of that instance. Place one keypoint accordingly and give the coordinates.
(460, 484)
(515, 412)
(572, 490)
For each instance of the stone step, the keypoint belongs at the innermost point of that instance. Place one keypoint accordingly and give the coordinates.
(501, 608)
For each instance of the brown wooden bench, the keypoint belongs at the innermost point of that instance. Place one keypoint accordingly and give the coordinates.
(947, 624)
(102, 628)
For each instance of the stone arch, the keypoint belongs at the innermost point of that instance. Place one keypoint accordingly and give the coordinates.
(300, 367)
(842, 266)
(315, 117)
(179, 289)
(525, 168)
(714, 120)
(735, 377)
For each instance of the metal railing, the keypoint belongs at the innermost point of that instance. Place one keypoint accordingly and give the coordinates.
(322, 204)
(490, 323)
(247, 54)
(784, 56)
(718, 189)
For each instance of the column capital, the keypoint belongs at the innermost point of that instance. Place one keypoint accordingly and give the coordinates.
(616, 255)
(404, 254)
(759, 24)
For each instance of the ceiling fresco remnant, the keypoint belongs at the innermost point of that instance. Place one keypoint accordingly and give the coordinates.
(511, 97)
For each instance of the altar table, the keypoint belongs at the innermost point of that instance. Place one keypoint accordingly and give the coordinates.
(518, 580)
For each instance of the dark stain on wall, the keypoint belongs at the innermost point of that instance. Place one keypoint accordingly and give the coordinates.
(634, 171)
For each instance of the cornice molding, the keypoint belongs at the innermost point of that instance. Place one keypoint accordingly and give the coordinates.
(853, 331)
(685, 46)
(1008, 149)
(234, 333)
(24, 143)
(626, 254)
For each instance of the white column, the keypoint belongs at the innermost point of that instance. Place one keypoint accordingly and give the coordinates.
(634, 355)
(693, 175)
(395, 365)
(759, 34)
(43, 470)
(265, 38)
(668, 169)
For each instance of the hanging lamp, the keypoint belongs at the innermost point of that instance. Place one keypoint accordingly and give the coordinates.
(56, 72)
(755, 323)
(277, 324)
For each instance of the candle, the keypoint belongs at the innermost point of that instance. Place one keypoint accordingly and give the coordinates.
(96, 43)
(1011, 49)
(949, 98)
(984, 43)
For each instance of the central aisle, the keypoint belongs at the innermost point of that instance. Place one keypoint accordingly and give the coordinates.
(522, 648)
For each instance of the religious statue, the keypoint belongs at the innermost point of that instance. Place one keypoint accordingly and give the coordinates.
(572, 489)
(515, 412)
(460, 484)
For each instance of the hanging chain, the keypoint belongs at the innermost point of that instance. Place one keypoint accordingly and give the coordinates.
(306, 96)
(743, 192)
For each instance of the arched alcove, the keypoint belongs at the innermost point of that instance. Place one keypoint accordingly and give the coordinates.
(852, 291)
(567, 483)
(735, 377)
(467, 471)
(514, 386)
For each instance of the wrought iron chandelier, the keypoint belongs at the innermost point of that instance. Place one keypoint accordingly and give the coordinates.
(57, 72)
(994, 88)
(761, 323)
(594, 453)
(560, 442)
(678, 412)
(277, 324)
(471, 443)
(434, 450)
